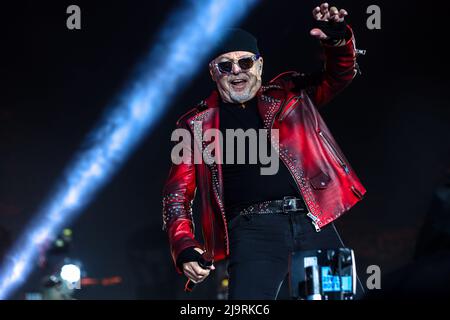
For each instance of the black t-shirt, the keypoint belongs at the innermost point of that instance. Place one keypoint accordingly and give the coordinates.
(243, 183)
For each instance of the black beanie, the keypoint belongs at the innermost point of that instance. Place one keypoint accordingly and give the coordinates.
(235, 40)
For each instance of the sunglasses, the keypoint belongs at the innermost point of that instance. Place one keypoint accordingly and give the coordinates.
(244, 63)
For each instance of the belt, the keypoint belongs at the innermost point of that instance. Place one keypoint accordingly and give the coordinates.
(287, 205)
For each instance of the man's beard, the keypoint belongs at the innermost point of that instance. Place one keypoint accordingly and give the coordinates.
(241, 97)
(246, 95)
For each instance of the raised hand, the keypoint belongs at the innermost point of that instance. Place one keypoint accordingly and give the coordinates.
(324, 13)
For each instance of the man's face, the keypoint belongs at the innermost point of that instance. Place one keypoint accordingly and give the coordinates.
(238, 85)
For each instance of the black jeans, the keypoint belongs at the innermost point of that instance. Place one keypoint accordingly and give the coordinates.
(260, 249)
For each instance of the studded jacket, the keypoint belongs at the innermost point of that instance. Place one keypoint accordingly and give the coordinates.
(289, 103)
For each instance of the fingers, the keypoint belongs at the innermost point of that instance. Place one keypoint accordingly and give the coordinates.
(321, 13)
(325, 13)
(193, 270)
(334, 14)
(316, 13)
(337, 15)
(196, 273)
(319, 34)
(343, 13)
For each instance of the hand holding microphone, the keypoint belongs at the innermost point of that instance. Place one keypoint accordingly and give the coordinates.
(197, 268)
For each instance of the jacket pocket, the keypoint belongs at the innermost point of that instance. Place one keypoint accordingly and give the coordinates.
(339, 159)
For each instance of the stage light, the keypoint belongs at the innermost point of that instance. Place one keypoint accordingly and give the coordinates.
(183, 44)
(67, 233)
(224, 283)
(70, 273)
(59, 243)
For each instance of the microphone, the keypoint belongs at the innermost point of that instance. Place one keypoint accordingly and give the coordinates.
(205, 262)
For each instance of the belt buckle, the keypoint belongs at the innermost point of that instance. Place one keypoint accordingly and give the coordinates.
(289, 204)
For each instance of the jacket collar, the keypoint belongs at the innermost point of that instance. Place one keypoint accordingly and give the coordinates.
(268, 106)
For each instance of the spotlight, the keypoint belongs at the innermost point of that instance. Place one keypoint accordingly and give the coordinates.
(67, 233)
(182, 47)
(70, 273)
(59, 243)
(224, 283)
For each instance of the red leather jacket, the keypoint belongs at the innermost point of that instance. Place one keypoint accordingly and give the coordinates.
(289, 103)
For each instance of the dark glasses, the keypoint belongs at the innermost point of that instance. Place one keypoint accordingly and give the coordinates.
(244, 63)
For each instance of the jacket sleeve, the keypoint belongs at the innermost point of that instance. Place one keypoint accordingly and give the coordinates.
(178, 194)
(338, 72)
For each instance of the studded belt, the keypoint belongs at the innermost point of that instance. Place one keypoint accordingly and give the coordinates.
(287, 205)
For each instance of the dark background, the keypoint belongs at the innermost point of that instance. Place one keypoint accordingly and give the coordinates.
(393, 123)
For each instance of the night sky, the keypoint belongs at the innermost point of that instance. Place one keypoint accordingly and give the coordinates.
(393, 124)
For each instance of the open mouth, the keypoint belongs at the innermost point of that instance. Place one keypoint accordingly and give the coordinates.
(238, 84)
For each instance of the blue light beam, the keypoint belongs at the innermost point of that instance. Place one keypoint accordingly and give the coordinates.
(182, 46)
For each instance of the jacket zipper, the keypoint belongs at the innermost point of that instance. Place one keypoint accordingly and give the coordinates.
(334, 152)
(357, 192)
(289, 107)
(309, 214)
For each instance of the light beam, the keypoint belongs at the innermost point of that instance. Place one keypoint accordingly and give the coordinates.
(183, 44)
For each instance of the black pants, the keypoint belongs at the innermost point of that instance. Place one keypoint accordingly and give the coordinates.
(260, 249)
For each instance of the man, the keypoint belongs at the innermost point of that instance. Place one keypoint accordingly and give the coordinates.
(253, 219)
